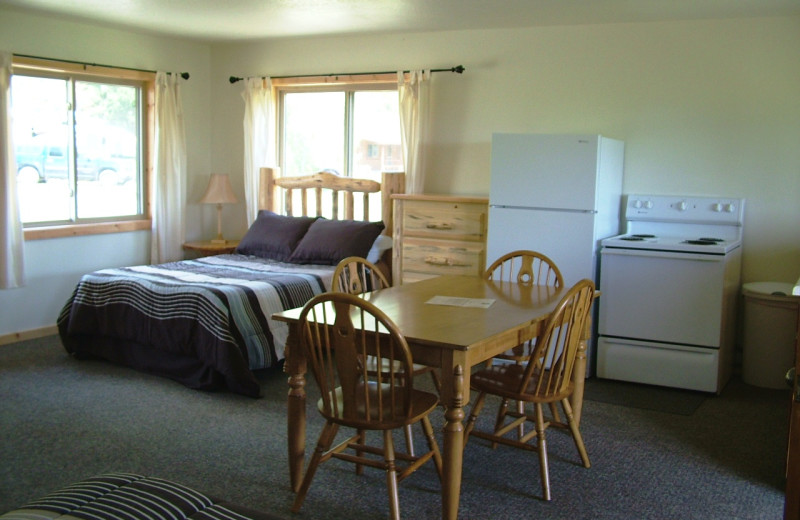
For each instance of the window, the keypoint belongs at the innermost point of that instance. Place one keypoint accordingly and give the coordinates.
(80, 140)
(352, 128)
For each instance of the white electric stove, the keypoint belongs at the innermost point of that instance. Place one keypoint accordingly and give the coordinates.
(669, 288)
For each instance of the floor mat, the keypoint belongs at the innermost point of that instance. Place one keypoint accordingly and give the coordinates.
(647, 397)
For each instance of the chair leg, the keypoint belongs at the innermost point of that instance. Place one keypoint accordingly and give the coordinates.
(576, 433)
(542, 449)
(501, 417)
(432, 445)
(520, 410)
(323, 445)
(473, 415)
(554, 411)
(409, 440)
(391, 474)
(362, 440)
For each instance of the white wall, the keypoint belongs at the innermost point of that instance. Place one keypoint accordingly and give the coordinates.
(54, 266)
(705, 107)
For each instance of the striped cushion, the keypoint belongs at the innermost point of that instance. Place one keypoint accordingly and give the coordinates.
(122, 496)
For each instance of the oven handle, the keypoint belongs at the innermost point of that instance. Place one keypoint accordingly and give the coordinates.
(671, 255)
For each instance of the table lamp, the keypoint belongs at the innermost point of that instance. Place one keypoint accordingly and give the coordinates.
(219, 192)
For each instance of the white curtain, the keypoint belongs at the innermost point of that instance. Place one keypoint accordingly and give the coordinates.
(413, 89)
(259, 147)
(12, 242)
(170, 171)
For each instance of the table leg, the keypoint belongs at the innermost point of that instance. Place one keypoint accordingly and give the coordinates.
(579, 380)
(453, 449)
(295, 366)
(579, 372)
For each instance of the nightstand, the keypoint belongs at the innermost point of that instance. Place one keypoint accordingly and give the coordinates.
(207, 247)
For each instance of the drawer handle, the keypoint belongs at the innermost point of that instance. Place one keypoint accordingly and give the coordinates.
(439, 225)
(443, 260)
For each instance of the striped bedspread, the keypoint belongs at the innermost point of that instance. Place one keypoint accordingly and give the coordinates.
(124, 496)
(214, 311)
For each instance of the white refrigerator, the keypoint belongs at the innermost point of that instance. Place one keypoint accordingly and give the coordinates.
(557, 194)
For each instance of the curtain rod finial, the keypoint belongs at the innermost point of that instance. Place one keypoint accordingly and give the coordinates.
(185, 75)
(234, 79)
(458, 69)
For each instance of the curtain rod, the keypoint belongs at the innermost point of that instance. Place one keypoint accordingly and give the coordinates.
(459, 69)
(184, 75)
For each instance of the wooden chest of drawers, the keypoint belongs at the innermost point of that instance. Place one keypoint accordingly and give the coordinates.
(438, 234)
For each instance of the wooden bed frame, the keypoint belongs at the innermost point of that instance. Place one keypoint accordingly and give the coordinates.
(328, 184)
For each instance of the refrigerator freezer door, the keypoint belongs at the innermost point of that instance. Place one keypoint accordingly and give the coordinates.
(545, 171)
(566, 237)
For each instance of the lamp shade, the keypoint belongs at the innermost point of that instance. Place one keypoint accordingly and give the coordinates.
(219, 190)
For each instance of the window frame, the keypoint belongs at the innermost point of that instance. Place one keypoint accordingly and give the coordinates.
(44, 68)
(348, 83)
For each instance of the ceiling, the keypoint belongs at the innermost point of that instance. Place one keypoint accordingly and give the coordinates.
(232, 20)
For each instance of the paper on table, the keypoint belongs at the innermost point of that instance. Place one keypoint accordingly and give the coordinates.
(483, 303)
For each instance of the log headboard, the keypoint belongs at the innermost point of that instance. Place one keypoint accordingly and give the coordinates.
(327, 184)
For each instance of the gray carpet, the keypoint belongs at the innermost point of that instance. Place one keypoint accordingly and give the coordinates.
(647, 397)
(62, 420)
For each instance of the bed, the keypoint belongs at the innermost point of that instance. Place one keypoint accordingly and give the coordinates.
(127, 496)
(206, 322)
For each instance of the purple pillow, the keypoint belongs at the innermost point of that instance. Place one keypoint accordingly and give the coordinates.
(329, 241)
(274, 236)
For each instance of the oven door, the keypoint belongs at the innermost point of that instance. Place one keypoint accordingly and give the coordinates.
(662, 296)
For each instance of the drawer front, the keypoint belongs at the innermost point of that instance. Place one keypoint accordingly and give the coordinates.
(433, 257)
(448, 220)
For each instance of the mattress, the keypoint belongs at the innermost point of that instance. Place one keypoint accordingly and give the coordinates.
(204, 322)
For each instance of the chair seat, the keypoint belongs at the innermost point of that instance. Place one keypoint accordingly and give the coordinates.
(503, 379)
(520, 353)
(385, 365)
(422, 403)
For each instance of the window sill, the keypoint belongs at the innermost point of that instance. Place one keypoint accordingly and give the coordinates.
(75, 230)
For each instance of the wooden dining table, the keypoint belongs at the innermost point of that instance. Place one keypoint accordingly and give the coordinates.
(481, 319)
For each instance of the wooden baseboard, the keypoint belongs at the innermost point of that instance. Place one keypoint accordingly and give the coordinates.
(14, 337)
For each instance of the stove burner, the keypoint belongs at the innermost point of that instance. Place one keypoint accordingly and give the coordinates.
(636, 237)
(701, 242)
(711, 239)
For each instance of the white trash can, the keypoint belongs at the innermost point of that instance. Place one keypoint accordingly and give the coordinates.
(769, 330)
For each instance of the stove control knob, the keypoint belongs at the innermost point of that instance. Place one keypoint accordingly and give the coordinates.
(648, 204)
(716, 207)
(730, 208)
(682, 206)
(637, 203)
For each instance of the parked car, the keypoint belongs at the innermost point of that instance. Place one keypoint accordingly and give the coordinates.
(39, 163)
